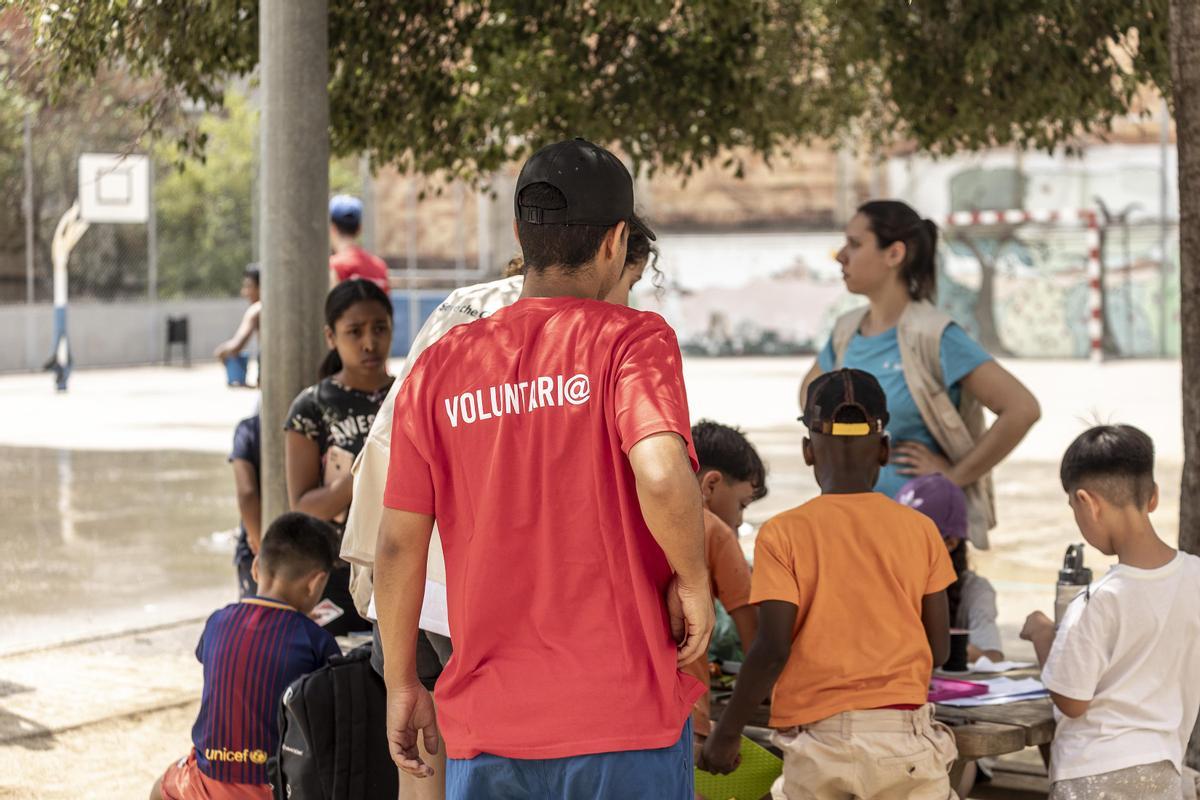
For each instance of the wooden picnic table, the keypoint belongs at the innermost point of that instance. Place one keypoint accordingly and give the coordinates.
(979, 731)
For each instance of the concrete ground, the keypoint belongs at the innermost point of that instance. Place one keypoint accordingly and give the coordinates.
(104, 598)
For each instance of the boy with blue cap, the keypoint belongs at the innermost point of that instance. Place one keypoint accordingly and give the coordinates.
(349, 259)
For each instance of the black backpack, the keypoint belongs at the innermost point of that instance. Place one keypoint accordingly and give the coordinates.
(333, 735)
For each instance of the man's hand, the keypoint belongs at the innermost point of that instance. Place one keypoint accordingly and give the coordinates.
(1037, 625)
(409, 713)
(691, 613)
(721, 754)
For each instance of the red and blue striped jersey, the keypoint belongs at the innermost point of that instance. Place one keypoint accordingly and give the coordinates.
(251, 652)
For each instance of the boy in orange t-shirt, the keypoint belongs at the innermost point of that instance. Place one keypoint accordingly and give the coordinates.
(852, 619)
(732, 476)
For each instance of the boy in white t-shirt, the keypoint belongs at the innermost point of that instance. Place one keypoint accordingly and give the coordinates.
(1122, 668)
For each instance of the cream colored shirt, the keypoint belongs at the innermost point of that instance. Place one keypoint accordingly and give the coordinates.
(371, 467)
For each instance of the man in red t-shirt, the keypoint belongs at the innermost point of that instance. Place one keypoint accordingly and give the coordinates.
(551, 442)
(349, 260)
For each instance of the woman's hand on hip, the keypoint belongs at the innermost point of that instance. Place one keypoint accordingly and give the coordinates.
(915, 459)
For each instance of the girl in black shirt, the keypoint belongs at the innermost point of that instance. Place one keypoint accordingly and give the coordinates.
(329, 421)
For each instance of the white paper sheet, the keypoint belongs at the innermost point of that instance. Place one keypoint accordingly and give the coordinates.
(986, 665)
(1002, 690)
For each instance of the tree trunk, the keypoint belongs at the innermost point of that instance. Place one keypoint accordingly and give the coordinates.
(985, 301)
(1185, 80)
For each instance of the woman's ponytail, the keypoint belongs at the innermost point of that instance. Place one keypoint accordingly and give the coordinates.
(330, 365)
(921, 270)
(893, 221)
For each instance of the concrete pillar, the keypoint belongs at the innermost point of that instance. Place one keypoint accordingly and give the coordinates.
(294, 229)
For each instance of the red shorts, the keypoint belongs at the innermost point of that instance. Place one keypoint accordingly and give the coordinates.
(183, 780)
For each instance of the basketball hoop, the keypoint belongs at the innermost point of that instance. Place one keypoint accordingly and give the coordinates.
(112, 189)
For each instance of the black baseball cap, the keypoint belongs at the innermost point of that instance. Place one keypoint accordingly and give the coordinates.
(835, 392)
(598, 188)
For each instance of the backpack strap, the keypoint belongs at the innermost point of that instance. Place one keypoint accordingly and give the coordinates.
(843, 332)
(356, 677)
(274, 771)
(343, 744)
(350, 740)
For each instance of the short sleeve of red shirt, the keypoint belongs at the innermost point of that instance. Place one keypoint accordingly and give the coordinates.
(649, 393)
(774, 576)
(409, 482)
(941, 570)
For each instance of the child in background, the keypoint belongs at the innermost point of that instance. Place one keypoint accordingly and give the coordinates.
(245, 460)
(850, 589)
(232, 349)
(972, 599)
(731, 477)
(251, 652)
(1122, 667)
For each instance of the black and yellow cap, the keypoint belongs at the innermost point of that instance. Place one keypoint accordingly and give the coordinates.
(833, 394)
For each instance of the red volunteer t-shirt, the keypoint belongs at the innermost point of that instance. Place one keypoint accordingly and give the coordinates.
(354, 262)
(513, 432)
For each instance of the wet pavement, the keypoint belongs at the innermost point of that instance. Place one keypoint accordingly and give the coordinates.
(103, 541)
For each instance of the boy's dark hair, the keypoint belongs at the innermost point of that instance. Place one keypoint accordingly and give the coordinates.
(728, 451)
(347, 227)
(958, 560)
(547, 245)
(1114, 461)
(296, 544)
(253, 273)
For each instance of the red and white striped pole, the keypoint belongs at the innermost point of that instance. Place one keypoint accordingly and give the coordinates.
(1095, 325)
(1095, 322)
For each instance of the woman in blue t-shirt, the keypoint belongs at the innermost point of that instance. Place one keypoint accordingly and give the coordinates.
(889, 257)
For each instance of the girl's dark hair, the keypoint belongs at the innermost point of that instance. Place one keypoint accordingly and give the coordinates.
(958, 558)
(893, 221)
(338, 302)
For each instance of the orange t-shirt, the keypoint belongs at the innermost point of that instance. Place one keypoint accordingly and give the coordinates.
(856, 566)
(730, 575)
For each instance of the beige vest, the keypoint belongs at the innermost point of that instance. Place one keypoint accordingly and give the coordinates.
(956, 430)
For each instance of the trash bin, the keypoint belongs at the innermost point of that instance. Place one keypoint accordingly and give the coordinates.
(177, 335)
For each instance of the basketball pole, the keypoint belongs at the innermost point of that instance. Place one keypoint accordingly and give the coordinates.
(67, 233)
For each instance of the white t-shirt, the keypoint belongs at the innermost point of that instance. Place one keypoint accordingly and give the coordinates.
(1131, 648)
(371, 467)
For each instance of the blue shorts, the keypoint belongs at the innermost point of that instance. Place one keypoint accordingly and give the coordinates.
(665, 774)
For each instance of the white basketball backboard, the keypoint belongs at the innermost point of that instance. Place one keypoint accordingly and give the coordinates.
(114, 188)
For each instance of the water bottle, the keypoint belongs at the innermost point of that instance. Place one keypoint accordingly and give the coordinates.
(1073, 578)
